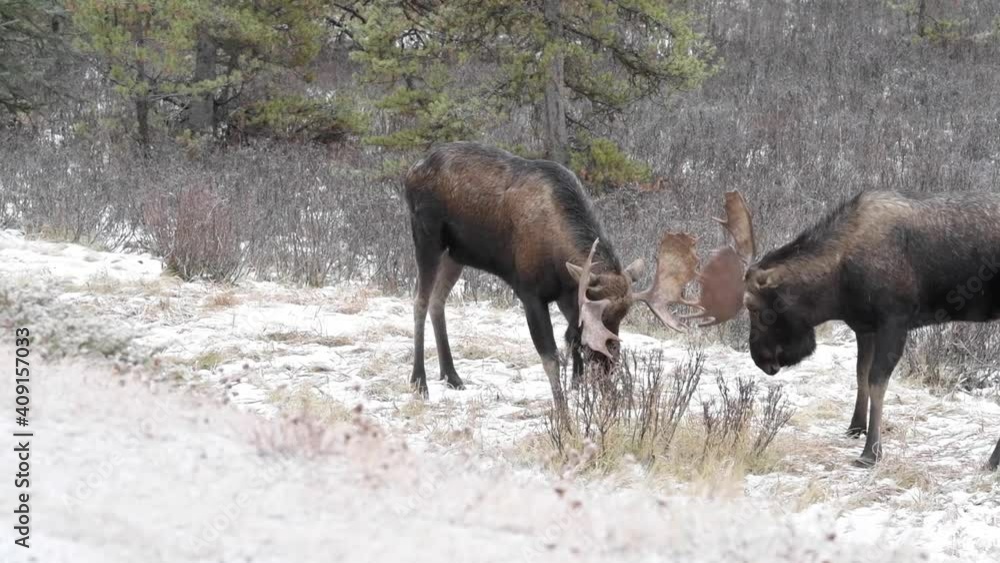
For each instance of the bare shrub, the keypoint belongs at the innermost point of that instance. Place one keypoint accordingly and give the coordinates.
(728, 417)
(67, 192)
(684, 381)
(739, 425)
(637, 411)
(196, 233)
(774, 415)
(632, 409)
(278, 211)
(960, 356)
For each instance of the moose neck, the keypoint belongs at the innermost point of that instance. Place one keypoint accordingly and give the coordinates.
(813, 296)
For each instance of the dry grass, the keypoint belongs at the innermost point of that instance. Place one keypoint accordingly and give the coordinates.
(456, 422)
(308, 401)
(62, 237)
(905, 472)
(221, 300)
(103, 283)
(285, 294)
(213, 358)
(815, 492)
(299, 337)
(820, 411)
(512, 353)
(380, 364)
(387, 389)
(162, 306)
(164, 285)
(638, 414)
(355, 302)
(474, 349)
(307, 423)
(698, 457)
(414, 409)
(891, 476)
(986, 482)
(374, 334)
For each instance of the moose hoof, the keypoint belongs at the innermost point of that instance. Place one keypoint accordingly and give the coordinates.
(855, 432)
(865, 461)
(420, 388)
(456, 384)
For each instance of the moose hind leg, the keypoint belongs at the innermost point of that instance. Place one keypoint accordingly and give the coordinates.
(448, 273)
(866, 349)
(428, 254)
(994, 459)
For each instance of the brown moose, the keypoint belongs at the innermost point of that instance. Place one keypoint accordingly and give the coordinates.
(529, 223)
(883, 263)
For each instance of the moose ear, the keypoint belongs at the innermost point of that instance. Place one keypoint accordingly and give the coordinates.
(635, 269)
(574, 271)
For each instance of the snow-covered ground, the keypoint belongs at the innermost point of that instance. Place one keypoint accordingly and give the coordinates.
(265, 346)
(124, 474)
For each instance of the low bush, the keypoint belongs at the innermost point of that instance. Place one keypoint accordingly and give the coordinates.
(955, 357)
(637, 411)
(196, 233)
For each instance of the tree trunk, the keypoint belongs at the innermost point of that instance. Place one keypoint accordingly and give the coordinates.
(142, 120)
(226, 95)
(142, 98)
(201, 112)
(556, 139)
(922, 18)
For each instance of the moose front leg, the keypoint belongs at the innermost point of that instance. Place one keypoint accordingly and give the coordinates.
(540, 327)
(888, 349)
(866, 349)
(568, 307)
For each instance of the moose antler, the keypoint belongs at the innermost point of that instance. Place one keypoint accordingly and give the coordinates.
(594, 334)
(676, 266)
(721, 278)
(739, 226)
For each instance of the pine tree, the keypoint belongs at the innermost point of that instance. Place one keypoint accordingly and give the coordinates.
(29, 43)
(197, 56)
(578, 62)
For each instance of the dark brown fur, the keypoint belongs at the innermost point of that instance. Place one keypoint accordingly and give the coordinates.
(883, 263)
(522, 220)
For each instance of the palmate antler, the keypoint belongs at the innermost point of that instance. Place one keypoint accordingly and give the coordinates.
(676, 266)
(594, 334)
(721, 279)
